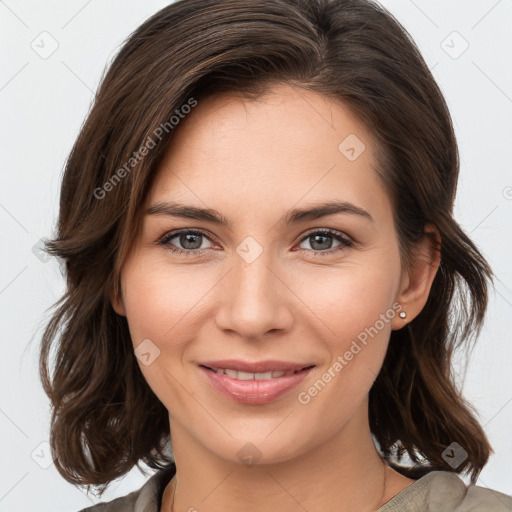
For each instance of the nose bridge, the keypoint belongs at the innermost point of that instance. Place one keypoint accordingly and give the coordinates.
(254, 298)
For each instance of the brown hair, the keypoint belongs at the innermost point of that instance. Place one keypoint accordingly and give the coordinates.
(105, 418)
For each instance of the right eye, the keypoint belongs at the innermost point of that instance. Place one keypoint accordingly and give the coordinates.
(189, 239)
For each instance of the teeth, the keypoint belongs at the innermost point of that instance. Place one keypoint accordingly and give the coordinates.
(234, 374)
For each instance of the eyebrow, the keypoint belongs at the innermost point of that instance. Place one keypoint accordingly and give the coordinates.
(294, 216)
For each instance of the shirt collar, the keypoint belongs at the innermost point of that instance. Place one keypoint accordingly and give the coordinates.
(150, 494)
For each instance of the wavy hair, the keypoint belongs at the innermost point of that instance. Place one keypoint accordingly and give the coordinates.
(105, 418)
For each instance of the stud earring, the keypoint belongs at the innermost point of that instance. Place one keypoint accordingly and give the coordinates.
(403, 314)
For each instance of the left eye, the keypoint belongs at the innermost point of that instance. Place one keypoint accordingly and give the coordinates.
(323, 237)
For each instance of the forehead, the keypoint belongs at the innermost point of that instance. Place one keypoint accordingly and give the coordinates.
(289, 145)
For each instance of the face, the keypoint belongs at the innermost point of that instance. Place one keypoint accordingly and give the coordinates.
(310, 290)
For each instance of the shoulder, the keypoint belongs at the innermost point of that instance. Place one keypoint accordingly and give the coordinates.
(122, 504)
(447, 488)
(483, 499)
(147, 498)
(444, 490)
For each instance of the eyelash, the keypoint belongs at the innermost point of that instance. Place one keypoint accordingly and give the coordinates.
(164, 241)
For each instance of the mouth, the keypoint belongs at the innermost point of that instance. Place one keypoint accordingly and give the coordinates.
(241, 375)
(267, 382)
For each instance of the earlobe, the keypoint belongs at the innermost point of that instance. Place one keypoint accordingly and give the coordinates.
(415, 288)
(117, 302)
(118, 308)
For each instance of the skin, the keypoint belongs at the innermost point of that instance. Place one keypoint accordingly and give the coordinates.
(253, 161)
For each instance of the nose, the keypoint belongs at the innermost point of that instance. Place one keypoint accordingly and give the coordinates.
(255, 298)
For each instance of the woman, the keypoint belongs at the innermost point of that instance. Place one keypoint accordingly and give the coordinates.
(262, 269)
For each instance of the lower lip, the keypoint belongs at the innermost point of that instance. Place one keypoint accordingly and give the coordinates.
(254, 392)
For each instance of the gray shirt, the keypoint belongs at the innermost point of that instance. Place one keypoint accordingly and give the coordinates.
(437, 491)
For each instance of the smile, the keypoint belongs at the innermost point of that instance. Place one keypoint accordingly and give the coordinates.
(254, 388)
(239, 375)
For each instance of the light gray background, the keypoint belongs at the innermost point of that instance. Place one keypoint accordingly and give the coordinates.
(43, 104)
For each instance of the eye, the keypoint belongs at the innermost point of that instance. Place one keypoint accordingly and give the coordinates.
(191, 242)
(321, 241)
(189, 239)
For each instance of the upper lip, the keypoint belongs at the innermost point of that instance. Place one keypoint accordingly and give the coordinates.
(256, 366)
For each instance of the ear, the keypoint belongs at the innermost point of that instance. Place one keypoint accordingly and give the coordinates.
(116, 299)
(417, 280)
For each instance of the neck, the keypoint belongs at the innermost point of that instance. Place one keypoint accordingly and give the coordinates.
(343, 474)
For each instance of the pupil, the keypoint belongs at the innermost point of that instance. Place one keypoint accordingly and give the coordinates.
(186, 239)
(322, 245)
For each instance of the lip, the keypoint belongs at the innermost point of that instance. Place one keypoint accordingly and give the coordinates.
(256, 366)
(257, 391)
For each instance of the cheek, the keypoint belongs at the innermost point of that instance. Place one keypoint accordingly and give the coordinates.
(161, 302)
(353, 308)
(350, 298)
(167, 305)
(162, 309)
